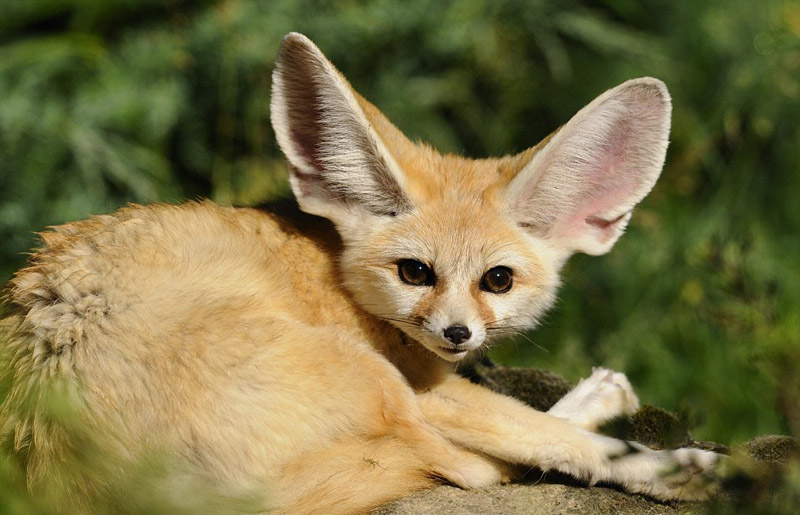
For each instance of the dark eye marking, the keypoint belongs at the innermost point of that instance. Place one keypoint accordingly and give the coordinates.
(497, 280)
(415, 273)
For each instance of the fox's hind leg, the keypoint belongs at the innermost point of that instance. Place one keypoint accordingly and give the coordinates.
(376, 445)
(358, 474)
(597, 399)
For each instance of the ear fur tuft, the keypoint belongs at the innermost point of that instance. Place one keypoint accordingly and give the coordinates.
(338, 162)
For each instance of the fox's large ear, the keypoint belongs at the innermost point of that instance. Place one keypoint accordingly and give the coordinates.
(579, 189)
(339, 165)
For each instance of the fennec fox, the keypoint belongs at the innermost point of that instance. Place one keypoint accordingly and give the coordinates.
(306, 358)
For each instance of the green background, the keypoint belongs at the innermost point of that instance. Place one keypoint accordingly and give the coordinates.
(104, 102)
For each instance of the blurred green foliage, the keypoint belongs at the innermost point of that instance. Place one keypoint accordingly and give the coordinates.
(104, 102)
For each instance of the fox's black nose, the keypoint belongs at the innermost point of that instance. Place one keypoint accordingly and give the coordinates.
(457, 333)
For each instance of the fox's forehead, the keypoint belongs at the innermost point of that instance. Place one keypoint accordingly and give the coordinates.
(460, 237)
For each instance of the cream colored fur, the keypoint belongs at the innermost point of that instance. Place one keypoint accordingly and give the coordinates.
(273, 354)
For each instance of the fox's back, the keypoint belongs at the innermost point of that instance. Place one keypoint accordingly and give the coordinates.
(200, 253)
(172, 266)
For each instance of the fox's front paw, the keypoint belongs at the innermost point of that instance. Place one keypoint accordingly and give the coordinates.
(601, 397)
(683, 474)
(693, 475)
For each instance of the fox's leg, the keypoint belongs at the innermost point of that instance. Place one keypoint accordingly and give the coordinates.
(376, 445)
(350, 477)
(597, 399)
(502, 427)
(355, 475)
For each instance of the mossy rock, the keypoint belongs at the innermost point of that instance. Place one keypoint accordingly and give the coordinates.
(772, 448)
(538, 388)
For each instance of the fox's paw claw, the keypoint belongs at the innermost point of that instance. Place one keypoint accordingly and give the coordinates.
(603, 396)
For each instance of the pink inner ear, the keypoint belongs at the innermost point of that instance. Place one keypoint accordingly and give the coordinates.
(597, 209)
(582, 185)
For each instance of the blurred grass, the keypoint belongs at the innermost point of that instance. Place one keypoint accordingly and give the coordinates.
(108, 102)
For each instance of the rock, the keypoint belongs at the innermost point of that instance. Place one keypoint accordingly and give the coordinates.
(529, 499)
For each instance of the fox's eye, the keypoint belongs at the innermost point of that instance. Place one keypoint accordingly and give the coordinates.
(497, 280)
(415, 272)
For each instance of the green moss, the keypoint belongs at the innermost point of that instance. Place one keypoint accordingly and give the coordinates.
(538, 388)
(773, 448)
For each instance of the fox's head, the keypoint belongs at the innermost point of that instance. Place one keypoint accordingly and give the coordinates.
(455, 251)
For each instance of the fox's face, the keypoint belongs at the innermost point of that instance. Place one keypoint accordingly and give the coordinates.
(454, 251)
(453, 273)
